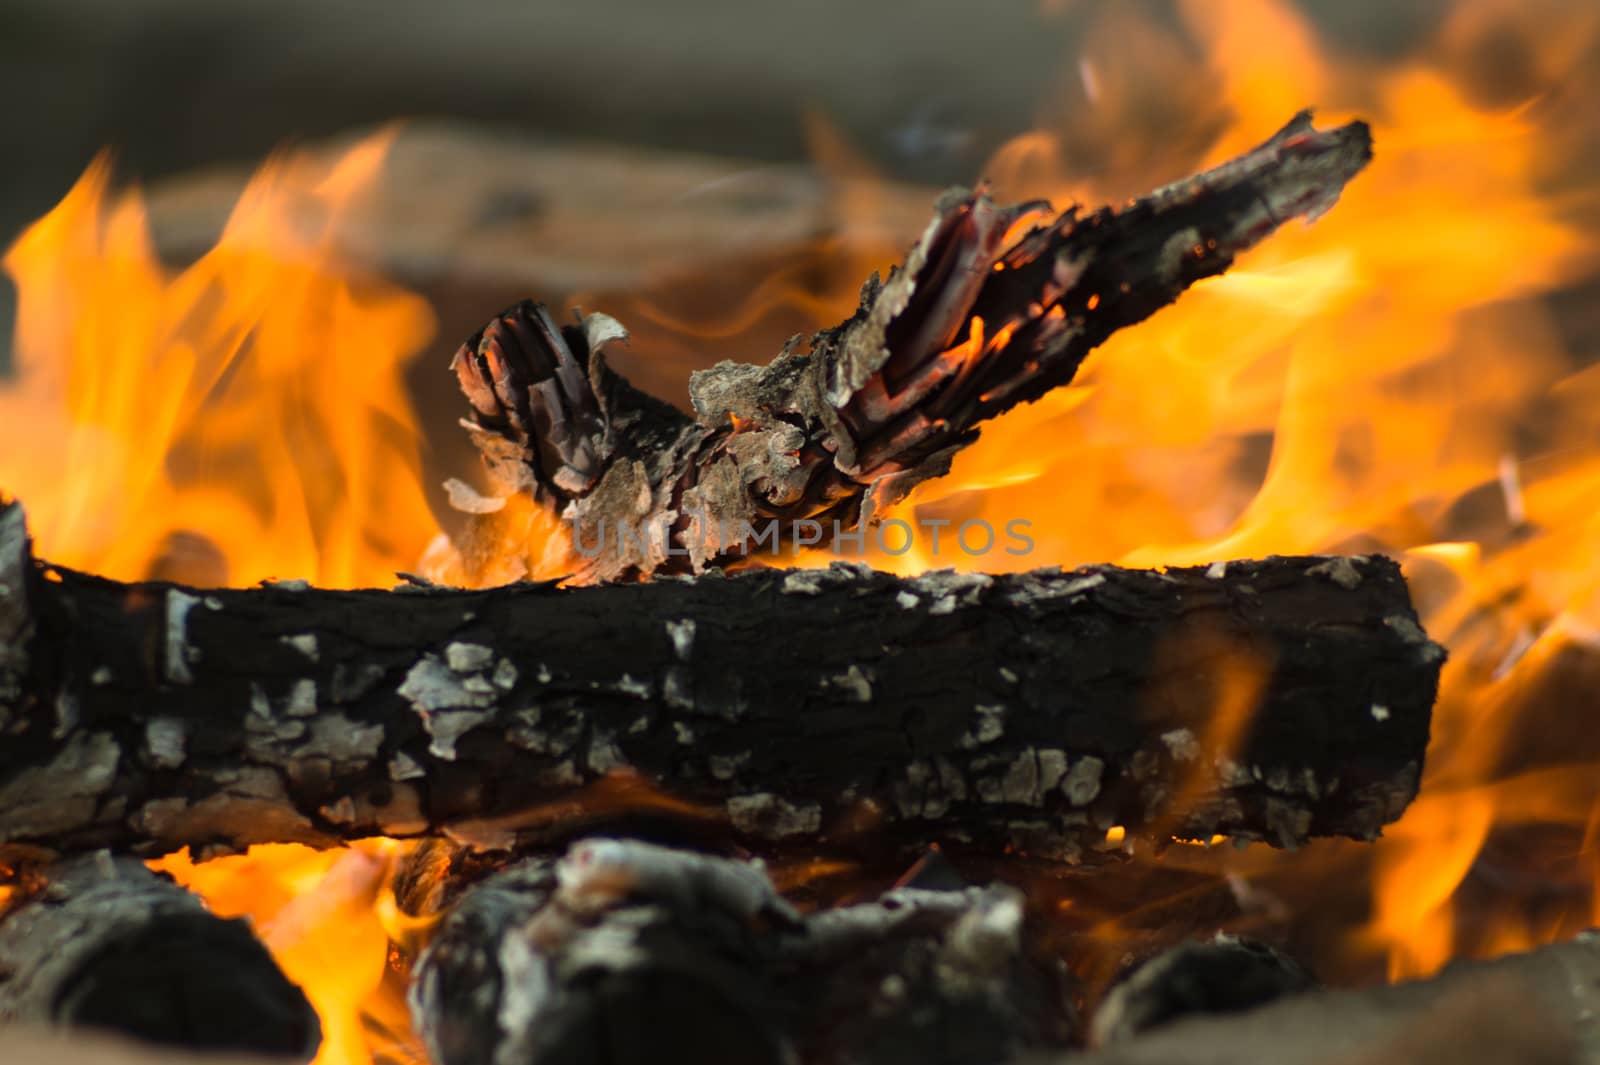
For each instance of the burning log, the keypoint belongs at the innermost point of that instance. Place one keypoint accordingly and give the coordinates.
(1225, 975)
(1536, 1008)
(622, 948)
(106, 943)
(994, 307)
(841, 708)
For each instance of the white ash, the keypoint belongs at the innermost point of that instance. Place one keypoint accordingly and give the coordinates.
(68, 712)
(404, 767)
(101, 676)
(905, 600)
(43, 800)
(684, 734)
(636, 687)
(1081, 785)
(1338, 569)
(604, 754)
(1380, 712)
(853, 683)
(1181, 744)
(447, 726)
(302, 698)
(468, 657)
(165, 739)
(681, 633)
(431, 685)
(304, 642)
(179, 653)
(1217, 570)
(505, 675)
(773, 817)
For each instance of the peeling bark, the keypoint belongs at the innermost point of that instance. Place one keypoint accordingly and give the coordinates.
(992, 308)
(106, 943)
(623, 948)
(835, 709)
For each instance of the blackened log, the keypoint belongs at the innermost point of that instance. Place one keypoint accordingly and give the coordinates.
(106, 943)
(992, 308)
(623, 948)
(1537, 1008)
(1222, 975)
(835, 708)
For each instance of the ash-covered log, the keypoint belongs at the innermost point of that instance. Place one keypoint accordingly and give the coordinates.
(840, 708)
(623, 948)
(1537, 1008)
(105, 943)
(994, 307)
(1224, 975)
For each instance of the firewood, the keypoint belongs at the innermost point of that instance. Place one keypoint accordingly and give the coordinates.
(994, 307)
(623, 948)
(1536, 1008)
(106, 943)
(1223, 975)
(813, 709)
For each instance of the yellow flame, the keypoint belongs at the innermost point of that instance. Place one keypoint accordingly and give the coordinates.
(241, 419)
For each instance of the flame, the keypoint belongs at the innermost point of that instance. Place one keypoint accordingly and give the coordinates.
(1390, 379)
(328, 917)
(241, 419)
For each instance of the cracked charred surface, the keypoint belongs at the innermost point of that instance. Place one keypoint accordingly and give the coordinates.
(994, 307)
(622, 948)
(106, 943)
(837, 709)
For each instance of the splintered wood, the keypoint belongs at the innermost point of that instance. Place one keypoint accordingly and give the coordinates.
(995, 306)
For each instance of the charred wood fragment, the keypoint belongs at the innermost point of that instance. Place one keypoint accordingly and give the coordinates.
(106, 943)
(1223, 975)
(623, 948)
(1536, 1008)
(835, 708)
(992, 308)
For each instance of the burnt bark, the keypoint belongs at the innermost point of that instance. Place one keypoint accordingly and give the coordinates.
(992, 308)
(836, 709)
(106, 943)
(623, 948)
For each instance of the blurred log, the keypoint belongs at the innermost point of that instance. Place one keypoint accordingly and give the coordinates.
(623, 948)
(834, 708)
(992, 308)
(473, 210)
(105, 943)
(1223, 975)
(1536, 1008)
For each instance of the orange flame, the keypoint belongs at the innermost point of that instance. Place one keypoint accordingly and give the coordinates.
(244, 418)
(1390, 379)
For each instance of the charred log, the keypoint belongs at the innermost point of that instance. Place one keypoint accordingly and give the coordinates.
(105, 943)
(1536, 1008)
(994, 307)
(1225, 975)
(623, 948)
(834, 708)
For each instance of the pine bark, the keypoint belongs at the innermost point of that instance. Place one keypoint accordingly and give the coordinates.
(994, 307)
(840, 709)
(622, 948)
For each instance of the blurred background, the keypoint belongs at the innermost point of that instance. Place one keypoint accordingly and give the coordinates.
(924, 90)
